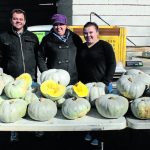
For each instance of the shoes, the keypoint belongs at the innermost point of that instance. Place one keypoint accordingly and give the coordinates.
(39, 134)
(14, 136)
(95, 142)
(88, 137)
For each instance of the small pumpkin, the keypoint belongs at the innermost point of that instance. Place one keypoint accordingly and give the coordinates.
(12, 110)
(30, 97)
(6, 78)
(140, 107)
(58, 75)
(53, 90)
(74, 108)
(42, 110)
(27, 77)
(96, 89)
(16, 89)
(77, 90)
(2, 85)
(111, 105)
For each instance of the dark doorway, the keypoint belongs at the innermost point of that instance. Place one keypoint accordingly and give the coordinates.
(38, 12)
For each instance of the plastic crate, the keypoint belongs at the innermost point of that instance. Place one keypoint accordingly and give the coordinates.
(115, 35)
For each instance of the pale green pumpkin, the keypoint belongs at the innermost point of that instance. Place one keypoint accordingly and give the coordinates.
(30, 97)
(111, 105)
(74, 108)
(130, 86)
(144, 77)
(140, 107)
(42, 110)
(2, 85)
(12, 110)
(16, 89)
(6, 78)
(96, 89)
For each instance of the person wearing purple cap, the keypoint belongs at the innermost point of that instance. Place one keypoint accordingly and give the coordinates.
(59, 48)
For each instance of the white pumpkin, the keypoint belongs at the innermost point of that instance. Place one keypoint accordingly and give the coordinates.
(130, 86)
(96, 89)
(140, 107)
(112, 105)
(12, 110)
(58, 75)
(42, 110)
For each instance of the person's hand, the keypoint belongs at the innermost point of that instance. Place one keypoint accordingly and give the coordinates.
(110, 88)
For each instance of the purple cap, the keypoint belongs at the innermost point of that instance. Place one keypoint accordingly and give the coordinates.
(59, 18)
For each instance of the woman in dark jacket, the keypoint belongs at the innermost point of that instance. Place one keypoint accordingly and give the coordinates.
(59, 48)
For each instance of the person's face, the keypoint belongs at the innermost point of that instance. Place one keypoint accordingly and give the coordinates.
(60, 29)
(90, 34)
(18, 21)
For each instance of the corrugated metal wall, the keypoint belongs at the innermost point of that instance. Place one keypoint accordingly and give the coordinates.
(36, 14)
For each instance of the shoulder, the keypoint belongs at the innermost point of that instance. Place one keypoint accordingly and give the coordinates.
(4, 35)
(31, 34)
(105, 43)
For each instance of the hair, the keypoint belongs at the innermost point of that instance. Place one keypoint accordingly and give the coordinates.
(88, 24)
(18, 11)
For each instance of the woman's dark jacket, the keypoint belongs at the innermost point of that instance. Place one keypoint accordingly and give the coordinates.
(60, 55)
(18, 53)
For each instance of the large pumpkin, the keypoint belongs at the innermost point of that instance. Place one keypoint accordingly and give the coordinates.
(42, 110)
(74, 108)
(140, 107)
(12, 110)
(144, 77)
(58, 75)
(130, 86)
(53, 90)
(16, 89)
(112, 106)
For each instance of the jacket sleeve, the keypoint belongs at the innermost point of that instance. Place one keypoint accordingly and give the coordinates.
(110, 63)
(42, 57)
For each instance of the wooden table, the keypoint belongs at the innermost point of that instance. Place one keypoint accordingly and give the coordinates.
(135, 123)
(92, 122)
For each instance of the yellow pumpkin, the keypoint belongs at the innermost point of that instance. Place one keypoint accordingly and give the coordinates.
(53, 90)
(80, 89)
(27, 77)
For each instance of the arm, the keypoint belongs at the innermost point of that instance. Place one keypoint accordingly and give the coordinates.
(110, 63)
(41, 57)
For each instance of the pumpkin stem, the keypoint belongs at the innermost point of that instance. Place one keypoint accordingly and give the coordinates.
(74, 98)
(111, 98)
(130, 79)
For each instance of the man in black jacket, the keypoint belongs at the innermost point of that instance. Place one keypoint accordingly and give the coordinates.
(18, 50)
(18, 47)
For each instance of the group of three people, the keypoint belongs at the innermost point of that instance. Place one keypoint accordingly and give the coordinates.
(20, 51)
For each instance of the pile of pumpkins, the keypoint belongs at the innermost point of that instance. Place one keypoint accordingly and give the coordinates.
(21, 97)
